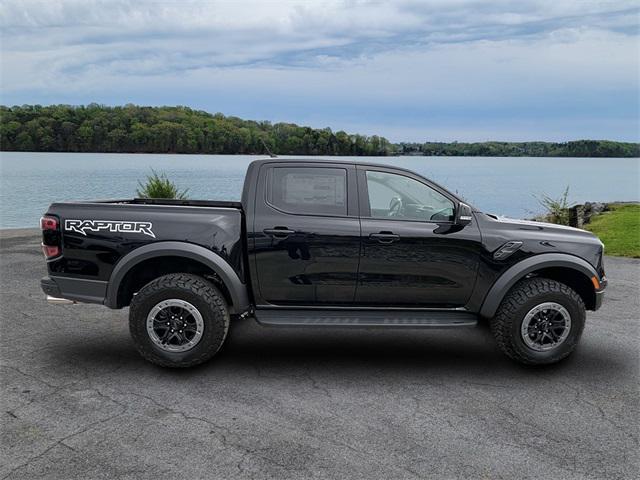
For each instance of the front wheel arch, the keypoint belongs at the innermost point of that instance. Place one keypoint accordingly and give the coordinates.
(564, 268)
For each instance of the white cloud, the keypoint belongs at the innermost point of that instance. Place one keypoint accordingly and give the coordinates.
(417, 57)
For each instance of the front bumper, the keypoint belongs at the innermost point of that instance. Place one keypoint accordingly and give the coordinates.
(602, 284)
(599, 298)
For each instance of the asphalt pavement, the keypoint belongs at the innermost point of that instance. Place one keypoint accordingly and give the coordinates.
(77, 402)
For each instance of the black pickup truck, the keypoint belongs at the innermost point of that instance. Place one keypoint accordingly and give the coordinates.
(323, 244)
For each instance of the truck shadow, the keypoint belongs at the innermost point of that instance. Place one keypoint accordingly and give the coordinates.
(252, 350)
(452, 352)
(349, 347)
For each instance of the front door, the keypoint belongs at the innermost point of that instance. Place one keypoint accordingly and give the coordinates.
(412, 253)
(306, 234)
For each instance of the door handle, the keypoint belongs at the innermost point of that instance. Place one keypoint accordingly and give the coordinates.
(385, 237)
(279, 232)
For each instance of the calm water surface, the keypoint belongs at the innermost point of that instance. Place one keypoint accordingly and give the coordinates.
(501, 185)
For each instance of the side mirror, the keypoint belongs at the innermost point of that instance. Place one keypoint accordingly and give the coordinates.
(463, 214)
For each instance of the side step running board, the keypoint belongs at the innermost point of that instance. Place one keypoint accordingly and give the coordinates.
(366, 318)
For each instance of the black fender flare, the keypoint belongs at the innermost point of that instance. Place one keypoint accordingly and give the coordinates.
(518, 271)
(237, 289)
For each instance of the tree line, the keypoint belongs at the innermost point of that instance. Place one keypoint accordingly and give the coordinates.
(577, 148)
(136, 129)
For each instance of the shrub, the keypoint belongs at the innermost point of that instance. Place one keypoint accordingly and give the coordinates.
(159, 186)
(557, 209)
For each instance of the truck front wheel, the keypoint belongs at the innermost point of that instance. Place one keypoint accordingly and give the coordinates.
(539, 321)
(178, 320)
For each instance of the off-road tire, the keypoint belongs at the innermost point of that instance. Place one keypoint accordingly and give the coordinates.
(525, 295)
(200, 293)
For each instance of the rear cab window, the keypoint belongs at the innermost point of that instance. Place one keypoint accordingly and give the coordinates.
(308, 190)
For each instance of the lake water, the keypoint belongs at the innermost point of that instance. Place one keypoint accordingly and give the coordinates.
(501, 185)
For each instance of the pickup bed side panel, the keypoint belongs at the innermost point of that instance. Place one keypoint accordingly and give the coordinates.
(237, 289)
(96, 236)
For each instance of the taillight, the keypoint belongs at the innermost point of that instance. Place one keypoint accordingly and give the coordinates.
(49, 223)
(50, 236)
(50, 251)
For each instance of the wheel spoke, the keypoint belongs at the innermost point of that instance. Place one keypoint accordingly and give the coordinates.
(546, 326)
(175, 325)
(165, 338)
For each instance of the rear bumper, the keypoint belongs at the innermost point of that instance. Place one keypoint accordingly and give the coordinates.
(50, 287)
(76, 289)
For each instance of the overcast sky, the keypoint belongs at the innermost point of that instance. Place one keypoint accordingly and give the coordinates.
(408, 70)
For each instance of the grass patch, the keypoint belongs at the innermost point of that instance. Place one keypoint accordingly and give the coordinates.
(619, 230)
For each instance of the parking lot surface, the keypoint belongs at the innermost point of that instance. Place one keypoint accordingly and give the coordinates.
(78, 401)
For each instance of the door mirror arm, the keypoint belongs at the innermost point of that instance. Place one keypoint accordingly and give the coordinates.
(464, 216)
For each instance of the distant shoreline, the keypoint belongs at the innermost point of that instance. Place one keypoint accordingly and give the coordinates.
(130, 129)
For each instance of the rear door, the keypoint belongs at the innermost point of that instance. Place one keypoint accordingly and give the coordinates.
(412, 253)
(306, 234)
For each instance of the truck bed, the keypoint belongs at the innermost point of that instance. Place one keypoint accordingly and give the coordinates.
(95, 236)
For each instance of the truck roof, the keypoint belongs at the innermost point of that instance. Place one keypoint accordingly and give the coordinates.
(323, 160)
(254, 167)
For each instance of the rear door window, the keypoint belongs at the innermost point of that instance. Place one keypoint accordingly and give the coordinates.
(308, 190)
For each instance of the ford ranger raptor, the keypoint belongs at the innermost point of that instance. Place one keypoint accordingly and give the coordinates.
(323, 243)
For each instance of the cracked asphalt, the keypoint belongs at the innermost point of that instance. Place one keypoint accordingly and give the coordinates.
(78, 401)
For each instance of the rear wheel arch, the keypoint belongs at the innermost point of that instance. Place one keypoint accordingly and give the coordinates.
(146, 263)
(564, 268)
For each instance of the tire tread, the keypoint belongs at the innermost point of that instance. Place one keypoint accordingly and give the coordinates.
(508, 312)
(198, 286)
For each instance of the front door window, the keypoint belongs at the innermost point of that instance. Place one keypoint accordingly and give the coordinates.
(393, 196)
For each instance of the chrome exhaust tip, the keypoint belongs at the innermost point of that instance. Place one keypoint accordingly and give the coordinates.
(59, 301)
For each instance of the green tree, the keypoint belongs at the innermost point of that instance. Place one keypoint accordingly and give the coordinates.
(131, 128)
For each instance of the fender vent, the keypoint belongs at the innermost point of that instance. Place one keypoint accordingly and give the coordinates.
(506, 250)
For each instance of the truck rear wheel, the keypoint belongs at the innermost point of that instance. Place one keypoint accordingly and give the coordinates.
(539, 321)
(178, 320)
